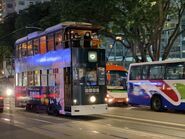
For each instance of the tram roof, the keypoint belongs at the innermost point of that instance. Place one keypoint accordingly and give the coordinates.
(58, 27)
(159, 62)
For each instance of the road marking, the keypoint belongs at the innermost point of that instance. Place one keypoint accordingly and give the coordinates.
(44, 121)
(146, 120)
(12, 121)
(6, 119)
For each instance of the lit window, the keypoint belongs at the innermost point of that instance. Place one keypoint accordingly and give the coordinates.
(30, 48)
(58, 40)
(43, 45)
(50, 41)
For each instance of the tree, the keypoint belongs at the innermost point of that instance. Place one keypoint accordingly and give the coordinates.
(142, 21)
(36, 15)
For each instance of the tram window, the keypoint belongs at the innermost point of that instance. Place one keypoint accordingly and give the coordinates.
(30, 48)
(24, 49)
(58, 40)
(50, 41)
(36, 46)
(91, 77)
(87, 40)
(76, 40)
(101, 76)
(43, 45)
(30, 78)
(19, 50)
(24, 78)
(19, 79)
(51, 78)
(135, 73)
(16, 79)
(175, 71)
(95, 41)
(37, 78)
(157, 72)
(66, 39)
(44, 80)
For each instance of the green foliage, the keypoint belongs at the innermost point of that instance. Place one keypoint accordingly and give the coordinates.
(141, 21)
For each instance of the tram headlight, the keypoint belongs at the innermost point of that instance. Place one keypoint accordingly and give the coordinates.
(74, 101)
(92, 99)
(9, 92)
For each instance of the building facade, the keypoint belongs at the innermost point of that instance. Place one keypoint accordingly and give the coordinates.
(1, 11)
(23, 4)
(10, 6)
(178, 49)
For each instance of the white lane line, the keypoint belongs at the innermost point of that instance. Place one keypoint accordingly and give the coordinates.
(12, 121)
(6, 119)
(147, 120)
(44, 121)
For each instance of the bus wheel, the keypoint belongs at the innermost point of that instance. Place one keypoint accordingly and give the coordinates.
(156, 103)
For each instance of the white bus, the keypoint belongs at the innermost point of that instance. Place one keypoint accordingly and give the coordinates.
(160, 84)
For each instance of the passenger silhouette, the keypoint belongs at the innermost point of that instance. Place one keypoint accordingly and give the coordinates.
(87, 40)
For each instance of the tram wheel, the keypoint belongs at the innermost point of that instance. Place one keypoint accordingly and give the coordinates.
(1, 110)
(156, 103)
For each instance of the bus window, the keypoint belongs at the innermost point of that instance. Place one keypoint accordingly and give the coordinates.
(24, 78)
(44, 77)
(58, 40)
(43, 45)
(175, 71)
(157, 72)
(135, 73)
(50, 41)
(36, 46)
(30, 48)
(24, 49)
(37, 78)
(116, 78)
(145, 72)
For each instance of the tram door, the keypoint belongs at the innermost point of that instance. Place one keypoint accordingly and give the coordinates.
(67, 89)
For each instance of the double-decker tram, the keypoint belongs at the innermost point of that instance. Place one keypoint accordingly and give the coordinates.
(61, 69)
(159, 84)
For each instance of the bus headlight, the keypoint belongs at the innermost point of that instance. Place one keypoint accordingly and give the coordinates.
(9, 92)
(127, 99)
(110, 100)
(92, 99)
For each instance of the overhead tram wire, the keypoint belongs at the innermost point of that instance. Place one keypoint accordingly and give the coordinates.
(25, 27)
